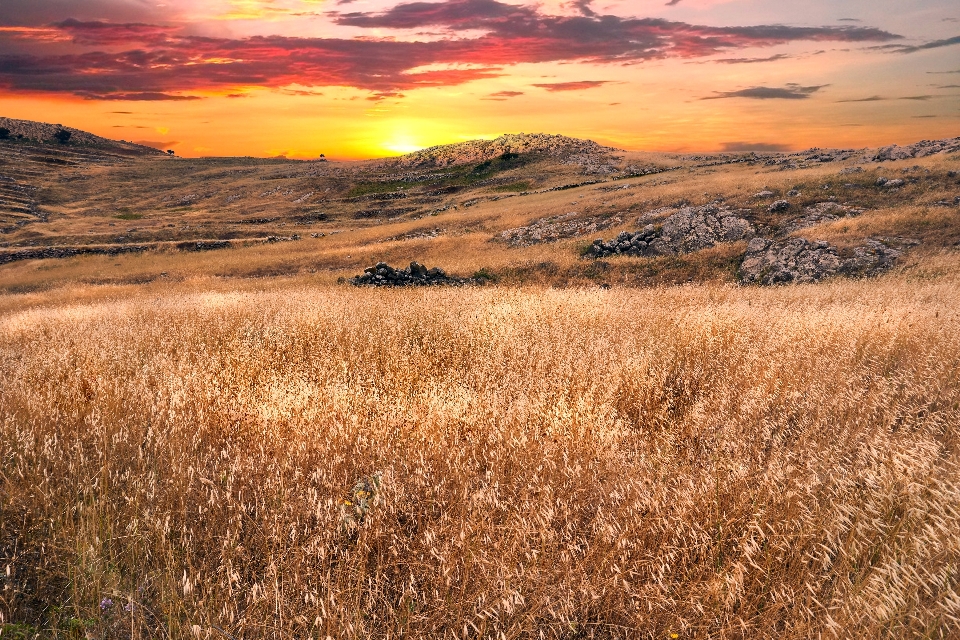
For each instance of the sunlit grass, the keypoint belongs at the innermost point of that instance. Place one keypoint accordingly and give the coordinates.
(706, 461)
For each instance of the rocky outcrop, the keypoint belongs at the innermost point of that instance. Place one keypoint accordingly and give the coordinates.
(917, 150)
(819, 213)
(690, 229)
(561, 147)
(800, 260)
(556, 228)
(416, 275)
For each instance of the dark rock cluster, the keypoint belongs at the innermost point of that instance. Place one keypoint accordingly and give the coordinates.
(690, 229)
(799, 260)
(416, 275)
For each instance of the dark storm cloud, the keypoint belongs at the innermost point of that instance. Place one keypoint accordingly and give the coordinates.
(138, 60)
(542, 37)
(41, 12)
(789, 92)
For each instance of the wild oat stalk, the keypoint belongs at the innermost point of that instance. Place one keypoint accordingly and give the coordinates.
(701, 461)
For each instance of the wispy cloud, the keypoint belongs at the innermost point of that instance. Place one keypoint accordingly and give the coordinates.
(774, 58)
(572, 86)
(936, 44)
(503, 95)
(922, 98)
(789, 92)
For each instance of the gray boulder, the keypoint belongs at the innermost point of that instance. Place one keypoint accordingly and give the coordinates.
(793, 260)
(800, 260)
(690, 229)
(779, 206)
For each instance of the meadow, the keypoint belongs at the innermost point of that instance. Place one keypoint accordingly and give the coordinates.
(189, 460)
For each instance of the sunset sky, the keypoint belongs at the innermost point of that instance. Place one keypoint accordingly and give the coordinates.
(367, 78)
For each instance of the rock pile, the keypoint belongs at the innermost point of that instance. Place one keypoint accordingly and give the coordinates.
(799, 260)
(690, 229)
(416, 275)
(556, 228)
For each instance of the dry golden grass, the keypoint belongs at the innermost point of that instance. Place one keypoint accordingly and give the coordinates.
(705, 461)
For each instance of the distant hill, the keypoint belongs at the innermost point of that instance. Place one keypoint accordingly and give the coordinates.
(558, 147)
(44, 132)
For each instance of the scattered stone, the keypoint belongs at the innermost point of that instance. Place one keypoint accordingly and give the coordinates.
(556, 228)
(799, 260)
(849, 170)
(764, 194)
(779, 206)
(690, 229)
(889, 184)
(793, 193)
(416, 275)
(203, 245)
(416, 234)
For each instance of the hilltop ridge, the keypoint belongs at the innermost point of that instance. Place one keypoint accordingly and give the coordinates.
(556, 146)
(33, 131)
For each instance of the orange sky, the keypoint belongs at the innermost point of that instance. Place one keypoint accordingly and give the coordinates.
(365, 78)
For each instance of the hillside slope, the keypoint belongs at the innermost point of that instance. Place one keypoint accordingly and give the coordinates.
(520, 208)
(43, 132)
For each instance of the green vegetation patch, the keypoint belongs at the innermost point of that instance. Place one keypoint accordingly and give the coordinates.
(368, 188)
(513, 187)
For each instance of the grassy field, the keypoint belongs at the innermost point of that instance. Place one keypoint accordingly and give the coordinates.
(234, 443)
(182, 459)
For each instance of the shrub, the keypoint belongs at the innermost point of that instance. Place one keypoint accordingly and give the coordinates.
(63, 136)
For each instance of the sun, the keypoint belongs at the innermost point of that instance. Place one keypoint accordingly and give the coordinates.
(402, 143)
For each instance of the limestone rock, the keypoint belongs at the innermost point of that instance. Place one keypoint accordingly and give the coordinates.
(779, 206)
(556, 228)
(690, 229)
(799, 260)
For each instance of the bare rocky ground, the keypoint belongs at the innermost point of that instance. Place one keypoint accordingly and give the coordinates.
(520, 207)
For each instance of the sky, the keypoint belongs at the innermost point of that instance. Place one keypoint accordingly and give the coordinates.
(358, 79)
